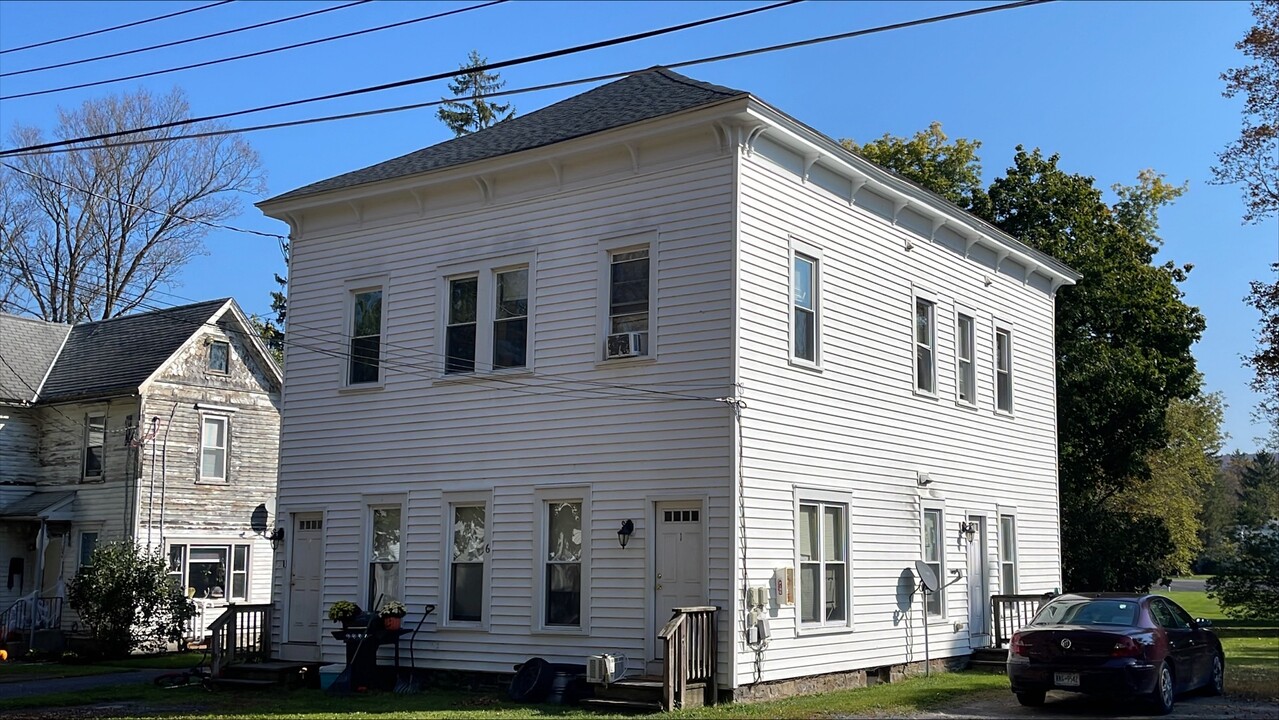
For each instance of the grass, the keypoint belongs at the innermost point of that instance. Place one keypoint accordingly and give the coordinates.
(1251, 646)
(15, 671)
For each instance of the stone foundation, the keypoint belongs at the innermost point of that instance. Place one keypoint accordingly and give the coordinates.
(846, 680)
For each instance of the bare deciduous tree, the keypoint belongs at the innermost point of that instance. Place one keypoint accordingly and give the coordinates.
(92, 233)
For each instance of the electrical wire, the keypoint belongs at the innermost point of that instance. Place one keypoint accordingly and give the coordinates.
(417, 80)
(117, 27)
(258, 53)
(55, 148)
(174, 43)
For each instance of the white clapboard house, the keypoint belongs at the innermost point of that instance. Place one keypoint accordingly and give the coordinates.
(161, 427)
(665, 306)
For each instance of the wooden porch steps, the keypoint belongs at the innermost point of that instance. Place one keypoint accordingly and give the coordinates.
(641, 693)
(989, 659)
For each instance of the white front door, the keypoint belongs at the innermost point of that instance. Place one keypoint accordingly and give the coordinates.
(978, 585)
(305, 565)
(679, 561)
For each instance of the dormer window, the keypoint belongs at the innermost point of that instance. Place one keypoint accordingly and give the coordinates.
(219, 356)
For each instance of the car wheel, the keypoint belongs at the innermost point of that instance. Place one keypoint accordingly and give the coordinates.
(1031, 698)
(1217, 680)
(1165, 690)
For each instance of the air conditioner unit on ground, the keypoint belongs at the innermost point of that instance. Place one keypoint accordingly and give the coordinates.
(602, 668)
(624, 345)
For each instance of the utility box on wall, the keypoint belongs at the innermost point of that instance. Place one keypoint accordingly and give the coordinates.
(784, 585)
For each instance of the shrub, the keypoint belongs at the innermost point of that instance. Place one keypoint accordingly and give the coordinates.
(1247, 583)
(127, 599)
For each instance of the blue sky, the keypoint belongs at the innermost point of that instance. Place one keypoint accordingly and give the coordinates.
(1112, 87)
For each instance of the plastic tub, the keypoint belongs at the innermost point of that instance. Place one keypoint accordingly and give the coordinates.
(328, 675)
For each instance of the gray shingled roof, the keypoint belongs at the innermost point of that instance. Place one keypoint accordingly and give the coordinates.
(117, 355)
(29, 347)
(643, 96)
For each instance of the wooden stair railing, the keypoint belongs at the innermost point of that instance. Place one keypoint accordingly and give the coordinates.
(1013, 612)
(690, 654)
(242, 633)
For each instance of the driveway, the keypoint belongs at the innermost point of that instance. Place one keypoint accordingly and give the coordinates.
(28, 688)
(1070, 706)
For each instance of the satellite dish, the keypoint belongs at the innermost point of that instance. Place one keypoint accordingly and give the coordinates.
(926, 576)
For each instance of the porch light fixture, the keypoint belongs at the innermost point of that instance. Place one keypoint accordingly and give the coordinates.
(968, 529)
(276, 537)
(624, 532)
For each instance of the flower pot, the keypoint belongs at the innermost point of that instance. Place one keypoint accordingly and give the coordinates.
(391, 623)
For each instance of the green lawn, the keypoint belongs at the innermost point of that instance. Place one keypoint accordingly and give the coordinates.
(18, 671)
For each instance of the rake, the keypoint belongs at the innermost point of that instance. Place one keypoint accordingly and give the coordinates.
(412, 685)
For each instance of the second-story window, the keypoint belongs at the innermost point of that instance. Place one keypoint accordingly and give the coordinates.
(510, 319)
(628, 300)
(95, 440)
(213, 447)
(219, 356)
(965, 367)
(459, 342)
(925, 343)
(1003, 370)
(804, 302)
(366, 337)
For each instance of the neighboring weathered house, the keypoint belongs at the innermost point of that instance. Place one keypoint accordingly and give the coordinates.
(666, 307)
(162, 427)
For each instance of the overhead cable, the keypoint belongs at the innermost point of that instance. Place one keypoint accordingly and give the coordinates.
(117, 27)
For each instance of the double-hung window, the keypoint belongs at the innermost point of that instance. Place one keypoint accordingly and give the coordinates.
(88, 543)
(95, 441)
(823, 563)
(925, 346)
(469, 545)
(629, 295)
(219, 356)
(486, 320)
(562, 563)
(364, 364)
(204, 570)
(804, 325)
(1003, 370)
(934, 555)
(214, 440)
(965, 364)
(1008, 554)
(384, 577)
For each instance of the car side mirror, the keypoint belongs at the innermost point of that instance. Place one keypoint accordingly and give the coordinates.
(1203, 623)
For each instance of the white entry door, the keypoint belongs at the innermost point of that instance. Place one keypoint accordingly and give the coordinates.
(679, 561)
(305, 567)
(978, 585)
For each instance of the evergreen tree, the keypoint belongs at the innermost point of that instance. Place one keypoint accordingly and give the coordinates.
(1258, 492)
(475, 113)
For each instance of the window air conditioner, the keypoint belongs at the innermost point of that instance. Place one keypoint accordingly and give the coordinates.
(624, 345)
(601, 668)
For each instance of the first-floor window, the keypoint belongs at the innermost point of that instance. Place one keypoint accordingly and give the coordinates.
(1008, 554)
(88, 543)
(823, 565)
(384, 557)
(211, 572)
(466, 564)
(563, 563)
(933, 549)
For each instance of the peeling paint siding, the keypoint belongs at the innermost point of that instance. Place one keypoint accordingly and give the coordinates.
(19, 438)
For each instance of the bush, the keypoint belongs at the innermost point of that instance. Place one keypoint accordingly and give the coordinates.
(127, 599)
(1247, 583)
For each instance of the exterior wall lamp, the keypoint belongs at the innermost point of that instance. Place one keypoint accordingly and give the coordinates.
(276, 537)
(968, 529)
(624, 532)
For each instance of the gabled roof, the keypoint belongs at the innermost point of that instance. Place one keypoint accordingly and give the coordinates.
(119, 354)
(29, 348)
(643, 96)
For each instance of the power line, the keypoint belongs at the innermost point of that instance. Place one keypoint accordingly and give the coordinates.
(174, 43)
(259, 53)
(117, 27)
(39, 150)
(418, 80)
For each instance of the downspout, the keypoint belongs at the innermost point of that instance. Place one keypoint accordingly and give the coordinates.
(151, 490)
(164, 477)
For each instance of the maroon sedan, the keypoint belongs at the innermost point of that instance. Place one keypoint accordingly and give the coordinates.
(1115, 644)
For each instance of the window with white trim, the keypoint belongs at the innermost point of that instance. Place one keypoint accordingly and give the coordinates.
(463, 309)
(1008, 554)
(219, 356)
(486, 318)
(934, 556)
(804, 275)
(1003, 370)
(823, 563)
(88, 543)
(965, 363)
(925, 346)
(95, 441)
(384, 576)
(215, 432)
(364, 365)
(510, 318)
(562, 563)
(629, 294)
(468, 549)
(204, 570)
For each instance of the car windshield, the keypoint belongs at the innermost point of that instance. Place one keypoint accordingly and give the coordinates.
(1081, 611)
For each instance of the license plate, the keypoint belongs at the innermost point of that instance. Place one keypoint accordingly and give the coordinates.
(1066, 679)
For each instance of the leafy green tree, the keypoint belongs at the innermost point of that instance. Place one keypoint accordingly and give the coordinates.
(476, 113)
(1217, 514)
(1253, 159)
(930, 159)
(127, 599)
(1258, 493)
(1247, 585)
(1265, 360)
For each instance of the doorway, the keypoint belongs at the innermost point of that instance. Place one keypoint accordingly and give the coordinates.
(978, 584)
(679, 561)
(305, 586)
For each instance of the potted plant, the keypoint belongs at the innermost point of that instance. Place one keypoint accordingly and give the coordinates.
(391, 613)
(343, 611)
